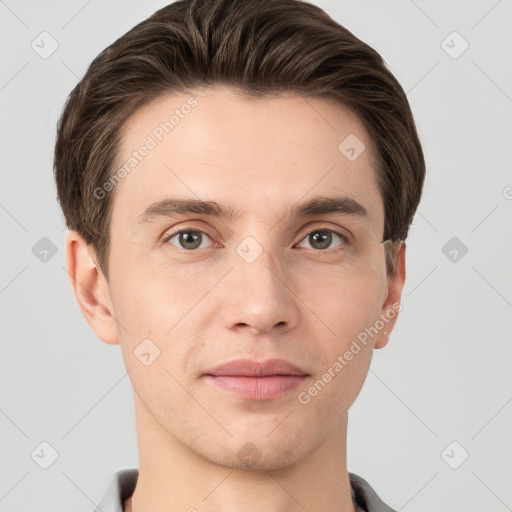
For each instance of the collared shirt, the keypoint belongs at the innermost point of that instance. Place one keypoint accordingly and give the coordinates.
(123, 483)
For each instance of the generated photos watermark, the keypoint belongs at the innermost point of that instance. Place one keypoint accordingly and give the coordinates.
(305, 397)
(152, 140)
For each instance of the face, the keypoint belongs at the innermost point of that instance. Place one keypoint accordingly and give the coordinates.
(192, 290)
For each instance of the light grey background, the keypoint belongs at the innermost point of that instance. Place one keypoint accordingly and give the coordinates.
(445, 375)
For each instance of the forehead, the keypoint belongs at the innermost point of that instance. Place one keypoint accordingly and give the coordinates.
(252, 153)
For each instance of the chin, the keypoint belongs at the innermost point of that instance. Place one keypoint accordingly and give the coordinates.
(254, 455)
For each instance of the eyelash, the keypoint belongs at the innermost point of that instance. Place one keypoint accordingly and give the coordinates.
(342, 236)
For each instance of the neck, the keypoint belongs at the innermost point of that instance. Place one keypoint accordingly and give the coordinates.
(173, 477)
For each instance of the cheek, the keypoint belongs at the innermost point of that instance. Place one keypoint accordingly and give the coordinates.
(156, 340)
(151, 300)
(160, 312)
(343, 311)
(342, 303)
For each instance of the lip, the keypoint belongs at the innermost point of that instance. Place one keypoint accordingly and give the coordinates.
(253, 380)
(250, 368)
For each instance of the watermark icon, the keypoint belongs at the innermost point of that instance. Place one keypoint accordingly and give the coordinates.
(507, 192)
(352, 147)
(146, 352)
(44, 455)
(44, 250)
(454, 249)
(305, 397)
(249, 249)
(44, 45)
(152, 140)
(249, 455)
(454, 455)
(454, 45)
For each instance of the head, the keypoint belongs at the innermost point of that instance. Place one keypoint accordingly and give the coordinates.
(253, 117)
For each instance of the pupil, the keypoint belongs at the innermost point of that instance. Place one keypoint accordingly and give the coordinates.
(325, 239)
(189, 240)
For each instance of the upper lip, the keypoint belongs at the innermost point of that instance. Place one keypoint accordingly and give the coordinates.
(250, 368)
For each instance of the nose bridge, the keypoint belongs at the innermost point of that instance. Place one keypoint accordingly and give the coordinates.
(260, 294)
(257, 265)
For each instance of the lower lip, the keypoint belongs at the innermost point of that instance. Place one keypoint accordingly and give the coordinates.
(258, 388)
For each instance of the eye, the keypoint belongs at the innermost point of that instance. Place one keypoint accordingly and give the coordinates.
(321, 239)
(192, 239)
(188, 239)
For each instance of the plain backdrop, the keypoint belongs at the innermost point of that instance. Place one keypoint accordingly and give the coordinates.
(431, 429)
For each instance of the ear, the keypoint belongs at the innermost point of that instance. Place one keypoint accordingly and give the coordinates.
(392, 305)
(91, 288)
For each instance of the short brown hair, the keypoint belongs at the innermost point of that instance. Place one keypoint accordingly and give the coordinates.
(258, 47)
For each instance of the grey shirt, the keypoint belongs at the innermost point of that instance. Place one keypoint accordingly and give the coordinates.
(123, 483)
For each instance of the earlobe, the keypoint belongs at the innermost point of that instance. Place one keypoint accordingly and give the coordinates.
(90, 288)
(392, 306)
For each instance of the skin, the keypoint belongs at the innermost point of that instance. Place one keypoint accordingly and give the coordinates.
(210, 306)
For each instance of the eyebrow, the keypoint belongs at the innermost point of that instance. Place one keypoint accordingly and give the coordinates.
(173, 206)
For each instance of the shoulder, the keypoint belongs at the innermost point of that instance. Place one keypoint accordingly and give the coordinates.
(120, 487)
(365, 496)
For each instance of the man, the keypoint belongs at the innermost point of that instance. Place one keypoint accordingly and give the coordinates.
(238, 178)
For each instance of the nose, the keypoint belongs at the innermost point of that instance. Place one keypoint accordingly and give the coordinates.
(260, 296)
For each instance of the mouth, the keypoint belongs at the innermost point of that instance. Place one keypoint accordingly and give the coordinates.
(252, 380)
